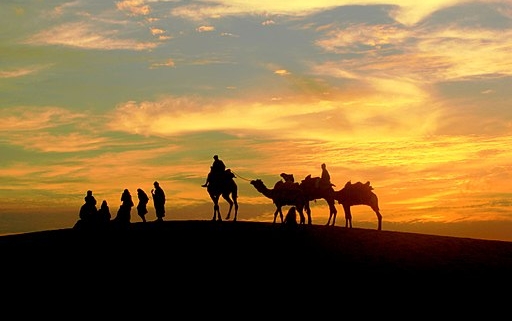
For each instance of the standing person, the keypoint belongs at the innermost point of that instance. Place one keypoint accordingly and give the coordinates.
(124, 212)
(126, 199)
(143, 201)
(158, 201)
(218, 167)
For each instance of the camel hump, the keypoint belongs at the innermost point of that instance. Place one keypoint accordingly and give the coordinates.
(286, 185)
(222, 178)
(278, 185)
(288, 177)
(311, 180)
(229, 174)
(366, 187)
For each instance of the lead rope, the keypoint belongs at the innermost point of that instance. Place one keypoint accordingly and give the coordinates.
(245, 179)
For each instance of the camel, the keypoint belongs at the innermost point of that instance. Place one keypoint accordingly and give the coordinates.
(356, 194)
(226, 187)
(313, 190)
(283, 194)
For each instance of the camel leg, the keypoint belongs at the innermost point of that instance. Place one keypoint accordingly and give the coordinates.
(333, 216)
(216, 210)
(216, 207)
(301, 215)
(348, 216)
(308, 213)
(374, 204)
(234, 196)
(236, 210)
(275, 215)
(219, 217)
(379, 218)
(230, 209)
(332, 212)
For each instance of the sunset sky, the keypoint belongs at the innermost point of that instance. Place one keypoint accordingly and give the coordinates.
(413, 96)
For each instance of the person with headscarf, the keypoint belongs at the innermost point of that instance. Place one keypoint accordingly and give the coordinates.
(158, 201)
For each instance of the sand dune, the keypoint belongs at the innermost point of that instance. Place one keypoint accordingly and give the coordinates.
(240, 259)
(229, 242)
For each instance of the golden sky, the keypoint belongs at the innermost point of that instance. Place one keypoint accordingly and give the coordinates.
(412, 96)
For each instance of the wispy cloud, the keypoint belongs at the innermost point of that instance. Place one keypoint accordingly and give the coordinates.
(134, 7)
(167, 63)
(444, 54)
(19, 126)
(321, 119)
(58, 143)
(86, 36)
(404, 11)
(20, 72)
(36, 118)
(205, 28)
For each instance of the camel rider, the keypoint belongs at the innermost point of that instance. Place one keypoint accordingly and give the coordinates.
(217, 168)
(325, 178)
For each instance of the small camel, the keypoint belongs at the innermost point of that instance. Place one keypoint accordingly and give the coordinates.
(223, 185)
(356, 194)
(283, 194)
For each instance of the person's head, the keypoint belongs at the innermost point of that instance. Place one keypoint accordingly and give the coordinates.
(156, 184)
(323, 165)
(89, 193)
(216, 157)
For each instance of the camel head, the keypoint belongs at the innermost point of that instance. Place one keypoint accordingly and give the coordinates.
(258, 184)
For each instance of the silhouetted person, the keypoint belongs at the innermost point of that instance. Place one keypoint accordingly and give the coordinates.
(104, 215)
(90, 200)
(217, 169)
(143, 201)
(158, 201)
(124, 212)
(325, 178)
(291, 217)
(88, 212)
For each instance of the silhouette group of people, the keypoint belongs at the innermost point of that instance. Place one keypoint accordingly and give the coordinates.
(91, 217)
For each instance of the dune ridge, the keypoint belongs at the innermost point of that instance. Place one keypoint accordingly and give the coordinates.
(253, 243)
